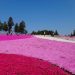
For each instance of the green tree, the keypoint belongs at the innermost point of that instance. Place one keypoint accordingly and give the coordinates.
(16, 28)
(73, 32)
(22, 27)
(56, 33)
(10, 24)
(52, 33)
(1, 26)
(5, 26)
(33, 33)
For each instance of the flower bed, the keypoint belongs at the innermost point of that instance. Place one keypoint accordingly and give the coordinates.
(11, 64)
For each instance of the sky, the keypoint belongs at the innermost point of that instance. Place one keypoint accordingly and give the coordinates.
(41, 14)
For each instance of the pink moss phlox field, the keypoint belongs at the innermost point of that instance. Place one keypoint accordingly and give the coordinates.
(22, 65)
(13, 37)
(60, 53)
(67, 37)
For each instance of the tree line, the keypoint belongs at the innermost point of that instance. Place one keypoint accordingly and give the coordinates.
(51, 32)
(21, 28)
(72, 33)
(18, 27)
(47, 32)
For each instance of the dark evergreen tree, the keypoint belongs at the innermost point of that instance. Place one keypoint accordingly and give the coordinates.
(38, 32)
(5, 26)
(73, 32)
(56, 33)
(10, 24)
(33, 33)
(22, 27)
(16, 28)
(1, 26)
(52, 33)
